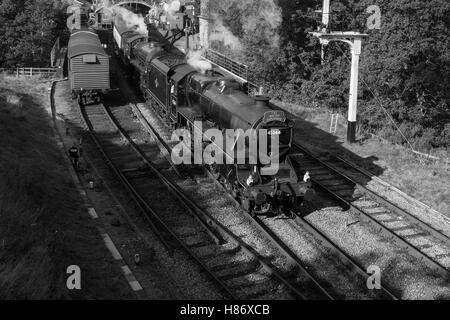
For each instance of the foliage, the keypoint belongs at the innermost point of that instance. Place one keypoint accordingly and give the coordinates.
(404, 67)
(28, 29)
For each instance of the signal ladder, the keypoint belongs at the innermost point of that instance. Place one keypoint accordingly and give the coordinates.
(334, 123)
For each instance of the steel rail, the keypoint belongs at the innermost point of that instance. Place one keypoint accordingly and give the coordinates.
(141, 202)
(122, 178)
(324, 240)
(431, 230)
(194, 210)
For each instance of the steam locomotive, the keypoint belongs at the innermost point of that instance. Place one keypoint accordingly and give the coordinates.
(184, 97)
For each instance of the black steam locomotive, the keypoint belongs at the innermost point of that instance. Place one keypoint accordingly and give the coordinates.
(183, 96)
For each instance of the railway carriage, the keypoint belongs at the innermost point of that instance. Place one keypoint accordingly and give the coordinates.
(88, 66)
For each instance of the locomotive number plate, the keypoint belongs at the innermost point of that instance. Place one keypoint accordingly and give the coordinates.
(274, 132)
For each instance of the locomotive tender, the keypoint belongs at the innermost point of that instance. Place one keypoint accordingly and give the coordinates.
(183, 96)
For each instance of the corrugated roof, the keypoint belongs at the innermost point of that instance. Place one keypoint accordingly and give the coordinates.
(82, 42)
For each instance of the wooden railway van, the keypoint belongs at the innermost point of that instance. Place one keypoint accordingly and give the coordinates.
(88, 64)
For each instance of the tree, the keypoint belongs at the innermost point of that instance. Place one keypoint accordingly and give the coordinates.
(404, 69)
(29, 29)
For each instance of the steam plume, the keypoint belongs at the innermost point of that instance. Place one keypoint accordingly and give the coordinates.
(224, 35)
(195, 60)
(131, 19)
(171, 7)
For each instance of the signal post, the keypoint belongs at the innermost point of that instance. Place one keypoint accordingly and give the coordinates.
(354, 39)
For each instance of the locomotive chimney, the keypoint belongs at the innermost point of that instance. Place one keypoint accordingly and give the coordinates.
(262, 101)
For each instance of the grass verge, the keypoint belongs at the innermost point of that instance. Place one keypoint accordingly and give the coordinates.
(44, 227)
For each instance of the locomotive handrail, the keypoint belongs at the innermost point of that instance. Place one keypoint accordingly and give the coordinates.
(238, 69)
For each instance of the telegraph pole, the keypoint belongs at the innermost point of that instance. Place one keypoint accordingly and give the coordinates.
(354, 39)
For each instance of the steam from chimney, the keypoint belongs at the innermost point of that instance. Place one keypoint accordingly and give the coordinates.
(171, 7)
(195, 60)
(131, 19)
(223, 34)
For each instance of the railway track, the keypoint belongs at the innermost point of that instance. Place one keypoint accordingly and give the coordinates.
(320, 169)
(410, 233)
(226, 259)
(347, 260)
(161, 134)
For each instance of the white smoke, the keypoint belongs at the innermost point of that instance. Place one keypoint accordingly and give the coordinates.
(171, 7)
(105, 3)
(195, 60)
(131, 19)
(221, 33)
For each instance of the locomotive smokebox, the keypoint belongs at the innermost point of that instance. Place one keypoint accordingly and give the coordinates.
(262, 101)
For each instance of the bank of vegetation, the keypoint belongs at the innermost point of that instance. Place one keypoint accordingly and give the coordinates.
(44, 226)
(404, 68)
(28, 30)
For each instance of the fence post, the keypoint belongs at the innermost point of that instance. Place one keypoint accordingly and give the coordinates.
(17, 72)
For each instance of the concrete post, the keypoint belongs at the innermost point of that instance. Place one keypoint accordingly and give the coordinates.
(353, 97)
(325, 22)
(204, 23)
(326, 12)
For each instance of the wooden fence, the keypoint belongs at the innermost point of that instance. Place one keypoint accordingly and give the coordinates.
(30, 72)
